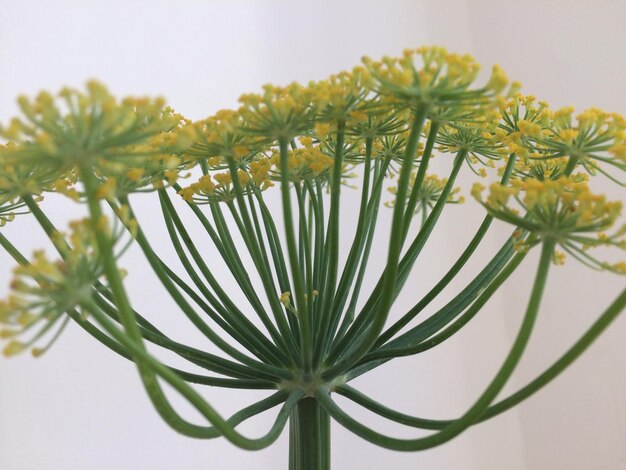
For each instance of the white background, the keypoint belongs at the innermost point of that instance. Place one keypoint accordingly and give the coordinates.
(82, 407)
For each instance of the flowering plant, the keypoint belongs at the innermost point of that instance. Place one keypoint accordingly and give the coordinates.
(299, 324)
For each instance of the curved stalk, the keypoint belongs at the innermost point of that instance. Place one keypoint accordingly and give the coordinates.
(220, 426)
(454, 269)
(479, 407)
(371, 316)
(577, 349)
(224, 305)
(426, 344)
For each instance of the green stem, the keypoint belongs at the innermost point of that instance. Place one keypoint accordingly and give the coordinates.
(309, 436)
(305, 243)
(132, 340)
(453, 271)
(278, 259)
(419, 178)
(301, 306)
(492, 390)
(186, 308)
(132, 331)
(389, 352)
(11, 250)
(117, 348)
(356, 249)
(387, 289)
(222, 426)
(572, 161)
(229, 311)
(574, 352)
(380, 169)
(230, 320)
(330, 258)
(261, 263)
(46, 225)
(321, 254)
(242, 278)
(395, 246)
(207, 361)
(447, 313)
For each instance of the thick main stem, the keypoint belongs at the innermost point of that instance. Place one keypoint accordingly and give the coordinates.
(309, 436)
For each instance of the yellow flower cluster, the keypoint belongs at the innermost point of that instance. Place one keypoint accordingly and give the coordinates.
(221, 136)
(218, 187)
(85, 126)
(129, 143)
(594, 131)
(523, 119)
(433, 76)
(375, 120)
(136, 144)
(340, 97)
(392, 147)
(19, 178)
(562, 209)
(285, 112)
(589, 141)
(475, 141)
(461, 70)
(303, 163)
(280, 112)
(44, 290)
(542, 169)
(260, 172)
(306, 162)
(428, 194)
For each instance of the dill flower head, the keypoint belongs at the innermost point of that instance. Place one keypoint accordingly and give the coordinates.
(19, 177)
(147, 178)
(428, 194)
(392, 147)
(476, 142)
(302, 320)
(44, 290)
(540, 169)
(279, 112)
(218, 186)
(523, 119)
(352, 150)
(372, 123)
(590, 141)
(303, 163)
(341, 97)
(92, 128)
(564, 210)
(220, 137)
(432, 76)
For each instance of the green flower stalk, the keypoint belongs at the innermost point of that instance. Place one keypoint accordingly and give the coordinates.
(301, 324)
